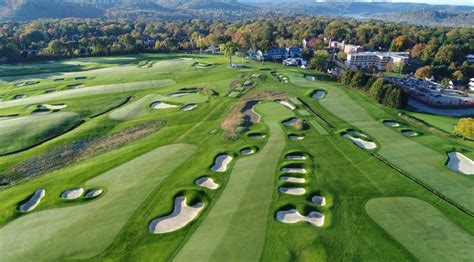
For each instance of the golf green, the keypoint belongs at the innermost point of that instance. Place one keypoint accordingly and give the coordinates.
(58, 233)
(235, 228)
(421, 229)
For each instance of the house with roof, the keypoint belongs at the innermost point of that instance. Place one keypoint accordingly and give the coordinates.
(280, 54)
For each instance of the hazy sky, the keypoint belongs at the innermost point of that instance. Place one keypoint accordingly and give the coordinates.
(437, 2)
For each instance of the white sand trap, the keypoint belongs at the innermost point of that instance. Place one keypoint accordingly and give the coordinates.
(361, 143)
(293, 216)
(189, 107)
(75, 86)
(93, 193)
(72, 193)
(207, 182)
(286, 104)
(294, 191)
(391, 124)
(357, 133)
(247, 151)
(41, 112)
(221, 162)
(182, 214)
(294, 170)
(290, 122)
(178, 94)
(52, 107)
(161, 105)
(319, 94)
(296, 156)
(298, 180)
(310, 78)
(295, 137)
(319, 200)
(256, 136)
(409, 133)
(34, 201)
(19, 96)
(460, 163)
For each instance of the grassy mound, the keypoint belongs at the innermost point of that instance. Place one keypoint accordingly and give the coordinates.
(23, 132)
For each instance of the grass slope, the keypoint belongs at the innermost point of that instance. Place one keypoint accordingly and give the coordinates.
(422, 229)
(235, 228)
(444, 123)
(23, 132)
(58, 233)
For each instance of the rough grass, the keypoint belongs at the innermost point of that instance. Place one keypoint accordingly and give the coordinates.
(127, 186)
(444, 123)
(24, 132)
(421, 229)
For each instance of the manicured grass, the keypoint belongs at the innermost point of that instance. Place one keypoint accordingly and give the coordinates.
(235, 228)
(444, 123)
(126, 186)
(422, 229)
(23, 132)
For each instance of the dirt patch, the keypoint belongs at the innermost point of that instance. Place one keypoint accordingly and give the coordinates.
(65, 155)
(267, 94)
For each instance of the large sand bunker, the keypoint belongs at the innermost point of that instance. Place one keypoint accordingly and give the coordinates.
(221, 162)
(182, 214)
(293, 216)
(320, 94)
(207, 182)
(161, 105)
(460, 163)
(361, 143)
(72, 194)
(286, 104)
(52, 107)
(294, 191)
(298, 180)
(93, 193)
(34, 201)
(294, 170)
(391, 123)
(188, 107)
(319, 200)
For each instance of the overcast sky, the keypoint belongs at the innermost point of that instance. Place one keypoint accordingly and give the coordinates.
(437, 2)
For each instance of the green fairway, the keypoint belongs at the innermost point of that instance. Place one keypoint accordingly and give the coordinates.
(58, 233)
(421, 229)
(23, 132)
(417, 160)
(444, 123)
(235, 227)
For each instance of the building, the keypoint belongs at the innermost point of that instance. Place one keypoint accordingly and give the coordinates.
(456, 84)
(471, 84)
(346, 48)
(280, 54)
(295, 62)
(379, 60)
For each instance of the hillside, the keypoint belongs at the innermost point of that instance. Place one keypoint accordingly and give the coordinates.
(432, 18)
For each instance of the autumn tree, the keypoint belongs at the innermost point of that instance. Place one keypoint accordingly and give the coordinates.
(424, 72)
(465, 128)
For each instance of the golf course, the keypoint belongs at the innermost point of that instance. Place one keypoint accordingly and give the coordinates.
(181, 157)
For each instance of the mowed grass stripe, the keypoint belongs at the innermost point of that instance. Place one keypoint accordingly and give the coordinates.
(418, 160)
(235, 228)
(84, 231)
(412, 221)
(89, 91)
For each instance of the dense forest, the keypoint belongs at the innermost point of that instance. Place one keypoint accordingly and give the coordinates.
(442, 50)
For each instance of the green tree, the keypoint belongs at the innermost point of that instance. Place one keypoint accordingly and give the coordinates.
(229, 49)
(377, 90)
(320, 60)
(359, 80)
(424, 72)
(341, 56)
(347, 77)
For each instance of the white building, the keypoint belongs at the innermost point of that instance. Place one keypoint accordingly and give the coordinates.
(471, 84)
(380, 60)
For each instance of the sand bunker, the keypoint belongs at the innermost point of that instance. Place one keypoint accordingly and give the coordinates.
(296, 156)
(178, 94)
(161, 105)
(52, 107)
(356, 133)
(34, 201)
(41, 112)
(298, 180)
(286, 104)
(293, 216)
(460, 163)
(256, 136)
(188, 107)
(295, 137)
(19, 96)
(294, 170)
(75, 86)
(319, 200)
(221, 162)
(182, 214)
(290, 122)
(319, 94)
(247, 151)
(72, 193)
(93, 193)
(360, 142)
(207, 182)
(409, 133)
(294, 191)
(391, 123)
(250, 116)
